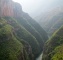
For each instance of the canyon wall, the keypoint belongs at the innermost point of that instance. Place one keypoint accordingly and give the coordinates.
(10, 8)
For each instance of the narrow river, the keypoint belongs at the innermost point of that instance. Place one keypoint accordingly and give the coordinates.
(40, 57)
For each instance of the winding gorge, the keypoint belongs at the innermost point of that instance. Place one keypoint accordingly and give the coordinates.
(21, 37)
(25, 38)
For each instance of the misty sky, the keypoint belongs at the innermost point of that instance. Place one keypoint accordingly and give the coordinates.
(37, 6)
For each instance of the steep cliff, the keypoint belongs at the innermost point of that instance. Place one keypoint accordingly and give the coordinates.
(6, 8)
(10, 8)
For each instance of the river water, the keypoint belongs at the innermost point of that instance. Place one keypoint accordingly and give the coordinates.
(40, 57)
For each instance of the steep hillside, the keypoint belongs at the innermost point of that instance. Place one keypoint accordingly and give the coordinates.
(20, 30)
(31, 44)
(10, 47)
(21, 33)
(34, 29)
(51, 20)
(55, 23)
(53, 49)
(47, 16)
(37, 27)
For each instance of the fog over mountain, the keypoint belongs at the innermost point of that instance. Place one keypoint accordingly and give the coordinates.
(23, 38)
(35, 7)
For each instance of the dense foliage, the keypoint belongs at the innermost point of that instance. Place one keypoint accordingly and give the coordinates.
(21, 37)
(53, 49)
(10, 46)
(18, 40)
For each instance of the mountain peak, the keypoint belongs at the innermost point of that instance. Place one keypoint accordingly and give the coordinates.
(9, 8)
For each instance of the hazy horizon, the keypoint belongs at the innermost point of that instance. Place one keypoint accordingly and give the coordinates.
(35, 7)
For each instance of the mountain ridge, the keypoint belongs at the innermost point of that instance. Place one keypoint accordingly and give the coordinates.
(53, 47)
(25, 31)
(52, 20)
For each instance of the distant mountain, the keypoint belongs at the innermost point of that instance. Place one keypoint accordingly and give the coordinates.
(45, 6)
(53, 48)
(51, 20)
(21, 37)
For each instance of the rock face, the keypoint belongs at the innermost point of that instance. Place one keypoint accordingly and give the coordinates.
(10, 8)
(6, 8)
(17, 9)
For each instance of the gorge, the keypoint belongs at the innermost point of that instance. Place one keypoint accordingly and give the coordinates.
(52, 23)
(21, 37)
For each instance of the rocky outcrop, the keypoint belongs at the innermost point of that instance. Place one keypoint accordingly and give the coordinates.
(6, 8)
(17, 9)
(10, 8)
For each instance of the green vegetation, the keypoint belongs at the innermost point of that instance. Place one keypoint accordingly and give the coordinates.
(30, 28)
(19, 40)
(21, 33)
(58, 53)
(53, 49)
(10, 47)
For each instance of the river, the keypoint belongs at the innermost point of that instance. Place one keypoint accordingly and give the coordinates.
(40, 57)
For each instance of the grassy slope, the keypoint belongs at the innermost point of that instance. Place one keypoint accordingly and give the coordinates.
(53, 47)
(10, 47)
(15, 33)
(38, 28)
(21, 33)
(32, 30)
(58, 53)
